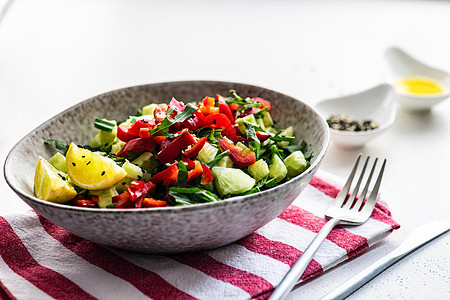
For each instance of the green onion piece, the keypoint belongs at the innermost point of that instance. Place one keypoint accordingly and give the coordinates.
(104, 125)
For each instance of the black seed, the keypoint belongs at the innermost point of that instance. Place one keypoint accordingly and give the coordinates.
(83, 156)
(88, 163)
(103, 173)
(123, 183)
(73, 164)
(214, 121)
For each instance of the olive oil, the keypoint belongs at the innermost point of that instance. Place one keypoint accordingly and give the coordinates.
(420, 86)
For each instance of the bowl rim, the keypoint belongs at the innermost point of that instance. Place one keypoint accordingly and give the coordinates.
(170, 209)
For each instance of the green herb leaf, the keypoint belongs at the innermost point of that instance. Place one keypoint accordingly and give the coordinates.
(163, 128)
(182, 174)
(58, 145)
(187, 196)
(216, 159)
(279, 138)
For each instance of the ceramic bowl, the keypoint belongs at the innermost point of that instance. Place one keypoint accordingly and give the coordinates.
(167, 229)
(400, 64)
(377, 104)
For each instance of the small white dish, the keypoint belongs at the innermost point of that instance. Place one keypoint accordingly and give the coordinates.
(400, 65)
(377, 104)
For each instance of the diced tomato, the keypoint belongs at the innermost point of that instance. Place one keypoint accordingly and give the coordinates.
(95, 198)
(172, 150)
(168, 177)
(195, 122)
(137, 145)
(83, 203)
(236, 153)
(160, 112)
(176, 105)
(139, 189)
(194, 150)
(263, 102)
(262, 136)
(123, 200)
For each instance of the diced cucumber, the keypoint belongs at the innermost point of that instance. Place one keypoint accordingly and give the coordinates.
(267, 119)
(146, 161)
(207, 153)
(295, 163)
(240, 121)
(271, 130)
(259, 169)
(260, 122)
(132, 170)
(244, 148)
(105, 196)
(225, 162)
(289, 132)
(231, 181)
(117, 146)
(59, 162)
(277, 169)
(148, 109)
(104, 137)
(121, 185)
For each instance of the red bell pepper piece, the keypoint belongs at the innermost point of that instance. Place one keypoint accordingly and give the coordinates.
(188, 162)
(195, 122)
(263, 102)
(196, 171)
(150, 202)
(207, 106)
(140, 189)
(83, 203)
(220, 121)
(194, 150)
(168, 177)
(176, 105)
(144, 133)
(172, 150)
(137, 145)
(262, 136)
(207, 175)
(123, 200)
(224, 108)
(128, 132)
(236, 153)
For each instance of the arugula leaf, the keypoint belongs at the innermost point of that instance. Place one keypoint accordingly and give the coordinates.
(244, 103)
(255, 147)
(187, 196)
(216, 159)
(182, 174)
(58, 145)
(260, 114)
(280, 138)
(163, 127)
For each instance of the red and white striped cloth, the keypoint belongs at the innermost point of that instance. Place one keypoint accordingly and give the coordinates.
(39, 260)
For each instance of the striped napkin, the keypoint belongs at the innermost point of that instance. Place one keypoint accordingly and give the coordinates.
(39, 260)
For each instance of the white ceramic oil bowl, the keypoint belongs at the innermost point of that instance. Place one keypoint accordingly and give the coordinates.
(377, 104)
(399, 65)
(164, 229)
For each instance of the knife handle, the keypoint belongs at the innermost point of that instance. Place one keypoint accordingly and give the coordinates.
(361, 278)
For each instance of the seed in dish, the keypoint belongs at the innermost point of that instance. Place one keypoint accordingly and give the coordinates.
(345, 123)
(175, 154)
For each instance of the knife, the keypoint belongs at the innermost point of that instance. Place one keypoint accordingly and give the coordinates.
(414, 240)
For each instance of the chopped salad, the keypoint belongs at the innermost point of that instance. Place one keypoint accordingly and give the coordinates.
(174, 154)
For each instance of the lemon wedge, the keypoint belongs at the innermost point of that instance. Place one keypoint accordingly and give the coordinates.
(50, 185)
(90, 170)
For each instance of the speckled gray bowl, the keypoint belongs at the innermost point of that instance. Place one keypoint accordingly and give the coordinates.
(168, 229)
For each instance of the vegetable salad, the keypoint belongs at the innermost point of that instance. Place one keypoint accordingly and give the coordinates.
(174, 154)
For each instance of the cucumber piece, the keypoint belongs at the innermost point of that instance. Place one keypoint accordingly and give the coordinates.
(59, 162)
(271, 130)
(244, 148)
(132, 170)
(231, 181)
(267, 119)
(225, 162)
(240, 122)
(277, 169)
(146, 161)
(104, 137)
(260, 122)
(287, 132)
(121, 185)
(148, 109)
(105, 196)
(117, 146)
(295, 163)
(259, 169)
(207, 153)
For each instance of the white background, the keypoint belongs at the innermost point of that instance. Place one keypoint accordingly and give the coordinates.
(54, 54)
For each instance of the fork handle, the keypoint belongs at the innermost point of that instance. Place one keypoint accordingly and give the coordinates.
(294, 274)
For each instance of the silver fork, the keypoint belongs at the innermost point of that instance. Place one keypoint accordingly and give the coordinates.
(346, 210)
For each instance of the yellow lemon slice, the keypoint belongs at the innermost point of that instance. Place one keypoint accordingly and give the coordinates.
(90, 170)
(50, 185)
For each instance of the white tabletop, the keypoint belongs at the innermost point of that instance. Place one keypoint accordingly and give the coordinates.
(55, 53)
